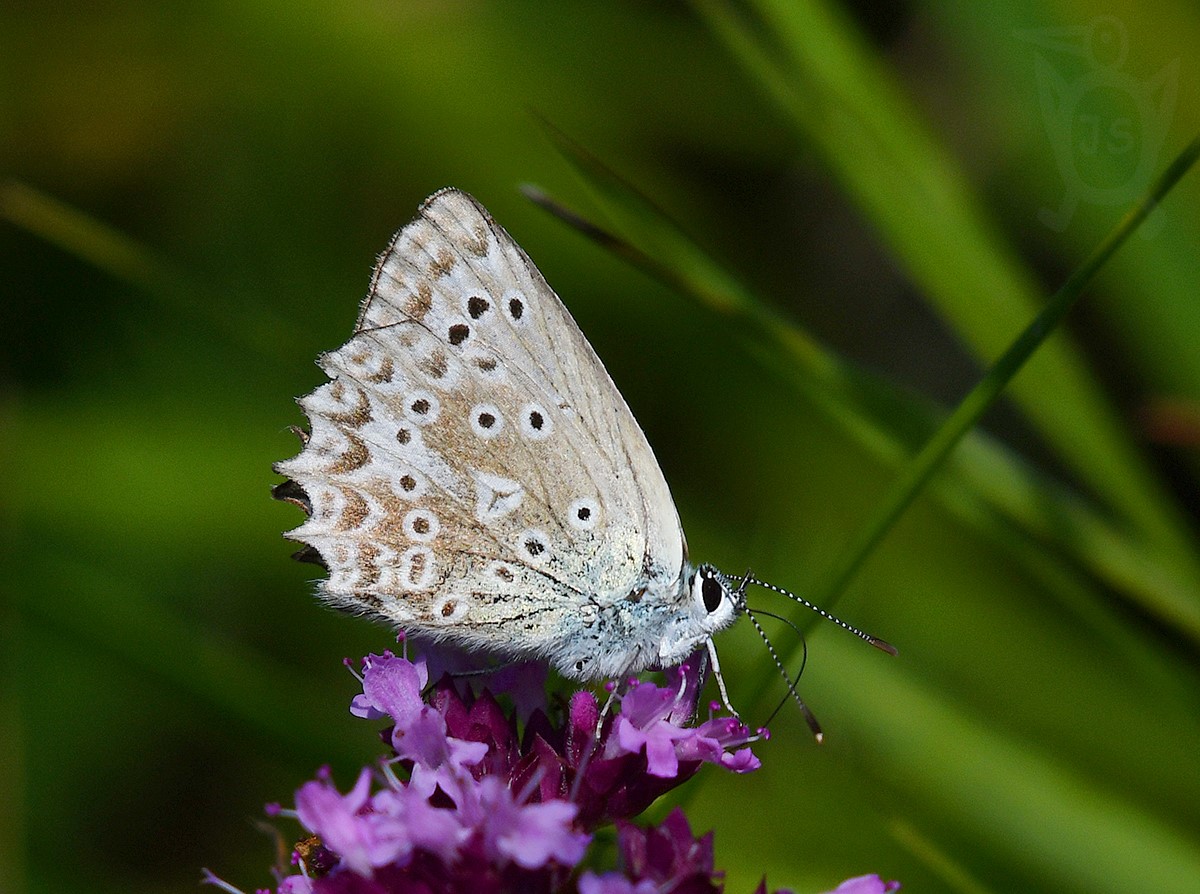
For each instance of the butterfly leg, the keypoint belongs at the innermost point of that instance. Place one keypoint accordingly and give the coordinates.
(716, 669)
(608, 703)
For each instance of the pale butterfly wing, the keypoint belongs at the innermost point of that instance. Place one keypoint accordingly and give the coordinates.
(473, 472)
(451, 254)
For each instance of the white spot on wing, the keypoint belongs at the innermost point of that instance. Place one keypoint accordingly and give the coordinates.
(484, 363)
(534, 545)
(422, 407)
(450, 609)
(501, 571)
(495, 496)
(486, 420)
(416, 568)
(583, 514)
(536, 422)
(409, 484)
(515, 307)
(421, 525)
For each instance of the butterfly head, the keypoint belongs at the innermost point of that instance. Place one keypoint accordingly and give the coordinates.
(710, 604)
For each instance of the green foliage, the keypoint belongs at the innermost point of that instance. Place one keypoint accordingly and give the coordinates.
(190, 198)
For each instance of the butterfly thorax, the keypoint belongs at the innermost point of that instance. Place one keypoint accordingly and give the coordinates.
(652, 625)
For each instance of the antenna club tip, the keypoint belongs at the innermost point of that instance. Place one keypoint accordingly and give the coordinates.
(883, 646)
(819, 737)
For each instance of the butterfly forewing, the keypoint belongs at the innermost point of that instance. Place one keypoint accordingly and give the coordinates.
(472, 469)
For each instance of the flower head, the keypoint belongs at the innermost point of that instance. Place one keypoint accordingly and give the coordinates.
(468, 795)
(470, 800)
(669, 855)
(655, 719)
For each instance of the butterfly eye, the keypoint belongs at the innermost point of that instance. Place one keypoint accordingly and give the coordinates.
(710, 590)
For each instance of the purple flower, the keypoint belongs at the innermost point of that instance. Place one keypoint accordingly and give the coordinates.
(651, 718)
(686, 679)
(643, 724)
(715, 737)
(336, 819)
(471, 800)
(369, 831)
(531, 835)
(523, 681)
(669, 856)
(391, 686)
(614, 883)
(296, 884)
(865, 884)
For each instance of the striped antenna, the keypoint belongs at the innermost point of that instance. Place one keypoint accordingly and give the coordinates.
(809, 718)
(861, 634)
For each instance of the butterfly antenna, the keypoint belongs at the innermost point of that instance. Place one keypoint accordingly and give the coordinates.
(794, 681)
(861, 634)
(808, 715)
(738, 593)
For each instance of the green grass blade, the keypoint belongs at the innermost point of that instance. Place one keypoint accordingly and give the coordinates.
(982, 396)
(108, 615)
(955, 877)
(844, 103)
(1033, 807)
(248, 326)
(984, 483)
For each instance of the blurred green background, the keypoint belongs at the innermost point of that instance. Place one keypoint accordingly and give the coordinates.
(191, 199)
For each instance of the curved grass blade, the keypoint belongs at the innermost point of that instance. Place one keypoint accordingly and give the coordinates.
(985, 484)
(965, 416)
(841, 100)
(248, 326)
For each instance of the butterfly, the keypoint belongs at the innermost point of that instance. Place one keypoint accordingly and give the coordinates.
(474, 476)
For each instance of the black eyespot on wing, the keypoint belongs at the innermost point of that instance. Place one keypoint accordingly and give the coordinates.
(477, 306)
(458, 333)
(516, 308)
(710, 590)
